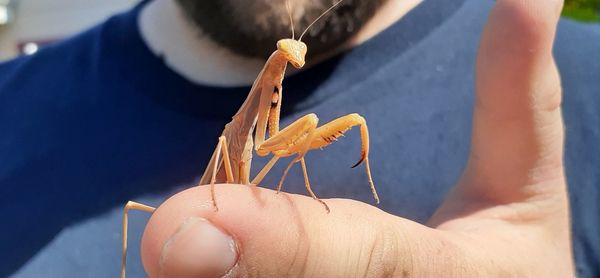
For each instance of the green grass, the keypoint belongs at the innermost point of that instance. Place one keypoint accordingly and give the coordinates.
(582, 10)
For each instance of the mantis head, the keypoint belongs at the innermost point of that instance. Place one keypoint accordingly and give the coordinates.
(294, 51)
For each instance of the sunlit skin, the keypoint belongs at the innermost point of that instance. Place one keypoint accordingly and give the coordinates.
(507, 216)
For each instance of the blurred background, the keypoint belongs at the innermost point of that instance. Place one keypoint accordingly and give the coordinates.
(27, 25)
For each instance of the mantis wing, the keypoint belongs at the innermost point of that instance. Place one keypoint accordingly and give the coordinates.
(238, 133)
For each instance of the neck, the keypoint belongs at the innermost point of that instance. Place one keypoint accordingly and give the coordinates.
(190, 53)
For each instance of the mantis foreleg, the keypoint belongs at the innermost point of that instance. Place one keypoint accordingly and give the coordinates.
(303, 135)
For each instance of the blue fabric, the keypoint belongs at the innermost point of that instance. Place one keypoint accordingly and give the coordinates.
(97, 120)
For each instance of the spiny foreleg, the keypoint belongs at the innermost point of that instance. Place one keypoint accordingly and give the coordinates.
(303, 135)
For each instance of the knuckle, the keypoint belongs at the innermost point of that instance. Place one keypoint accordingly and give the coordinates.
(553, 97)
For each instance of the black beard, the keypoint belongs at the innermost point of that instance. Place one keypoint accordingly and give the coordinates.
(253, 27)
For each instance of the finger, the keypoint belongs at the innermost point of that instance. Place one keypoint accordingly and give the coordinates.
(257, 233)
(517, 141)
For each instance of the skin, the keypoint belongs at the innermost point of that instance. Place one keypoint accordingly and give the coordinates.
(507, 216)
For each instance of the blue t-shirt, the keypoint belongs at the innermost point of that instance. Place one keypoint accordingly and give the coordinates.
(97, 120)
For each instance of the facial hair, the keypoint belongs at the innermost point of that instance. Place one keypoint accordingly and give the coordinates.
(252, 27)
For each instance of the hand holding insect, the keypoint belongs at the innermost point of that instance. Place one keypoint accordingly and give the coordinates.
(507, 215)
(261, 110)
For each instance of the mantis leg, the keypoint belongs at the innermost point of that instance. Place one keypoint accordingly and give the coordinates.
(290, 140)
(303, 135)
(263, 172)
(294, 139)
(330, 132)
(307, 184)
(306, 180)
(128, 206)
(215, 162)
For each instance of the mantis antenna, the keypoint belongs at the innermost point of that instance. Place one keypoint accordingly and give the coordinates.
(324, 13)
(289, 10)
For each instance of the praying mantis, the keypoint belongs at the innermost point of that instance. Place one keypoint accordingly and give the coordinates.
(260, 114)
(261, 111)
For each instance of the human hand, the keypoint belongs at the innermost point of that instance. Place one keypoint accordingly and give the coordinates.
(507, 216)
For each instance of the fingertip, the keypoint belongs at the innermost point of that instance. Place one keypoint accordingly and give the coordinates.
(515, 67)
(198, 248)
(181, 240)
(527, 23)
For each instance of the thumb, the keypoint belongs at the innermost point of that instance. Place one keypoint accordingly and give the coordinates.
(258, 233)
(512, 198)
(517, 142)
(515, 171)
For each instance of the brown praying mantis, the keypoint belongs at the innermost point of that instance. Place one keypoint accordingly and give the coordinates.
(260, 113)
